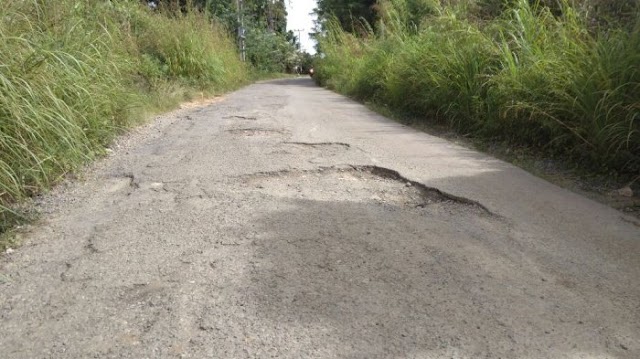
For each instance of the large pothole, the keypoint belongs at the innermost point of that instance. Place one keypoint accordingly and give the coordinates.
(354, 184)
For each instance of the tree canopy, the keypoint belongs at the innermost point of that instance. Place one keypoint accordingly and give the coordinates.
(347, 12)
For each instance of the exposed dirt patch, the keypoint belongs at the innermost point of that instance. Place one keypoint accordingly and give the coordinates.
(355, 184)
(201, 101)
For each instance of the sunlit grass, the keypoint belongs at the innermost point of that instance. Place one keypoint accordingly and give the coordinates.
(74, 74)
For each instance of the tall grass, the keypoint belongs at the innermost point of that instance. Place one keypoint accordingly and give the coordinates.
(528, 77)
(73, 74)
(189, 48)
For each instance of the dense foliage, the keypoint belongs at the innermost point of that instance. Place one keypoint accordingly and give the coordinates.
(269, 47)
(562, 77)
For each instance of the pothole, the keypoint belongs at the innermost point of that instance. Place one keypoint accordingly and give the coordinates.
(121, 181)
(354, 184)
(240, 117)
(255, 132)
(117, 184)
(321, 145)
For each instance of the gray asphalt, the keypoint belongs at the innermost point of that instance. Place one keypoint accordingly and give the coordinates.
(288, 221)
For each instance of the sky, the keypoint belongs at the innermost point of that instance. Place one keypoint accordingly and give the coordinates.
(299, 18)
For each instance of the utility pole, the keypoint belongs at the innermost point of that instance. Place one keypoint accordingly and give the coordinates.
(270, 20)
(241, 31)
(299, 31)
(299, 69)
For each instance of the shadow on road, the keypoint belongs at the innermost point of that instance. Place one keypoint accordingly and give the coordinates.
(370, 280)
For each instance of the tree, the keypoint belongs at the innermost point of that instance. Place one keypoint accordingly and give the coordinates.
(269, 47)
(269, 14)
(350, 13)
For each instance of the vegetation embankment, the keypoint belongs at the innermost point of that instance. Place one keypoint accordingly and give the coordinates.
(73, 74)
(562, 79)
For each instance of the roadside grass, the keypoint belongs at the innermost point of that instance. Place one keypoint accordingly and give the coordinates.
(73, 75)
(528, 78)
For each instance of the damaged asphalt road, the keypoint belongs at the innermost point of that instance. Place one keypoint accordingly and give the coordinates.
(288, 221)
